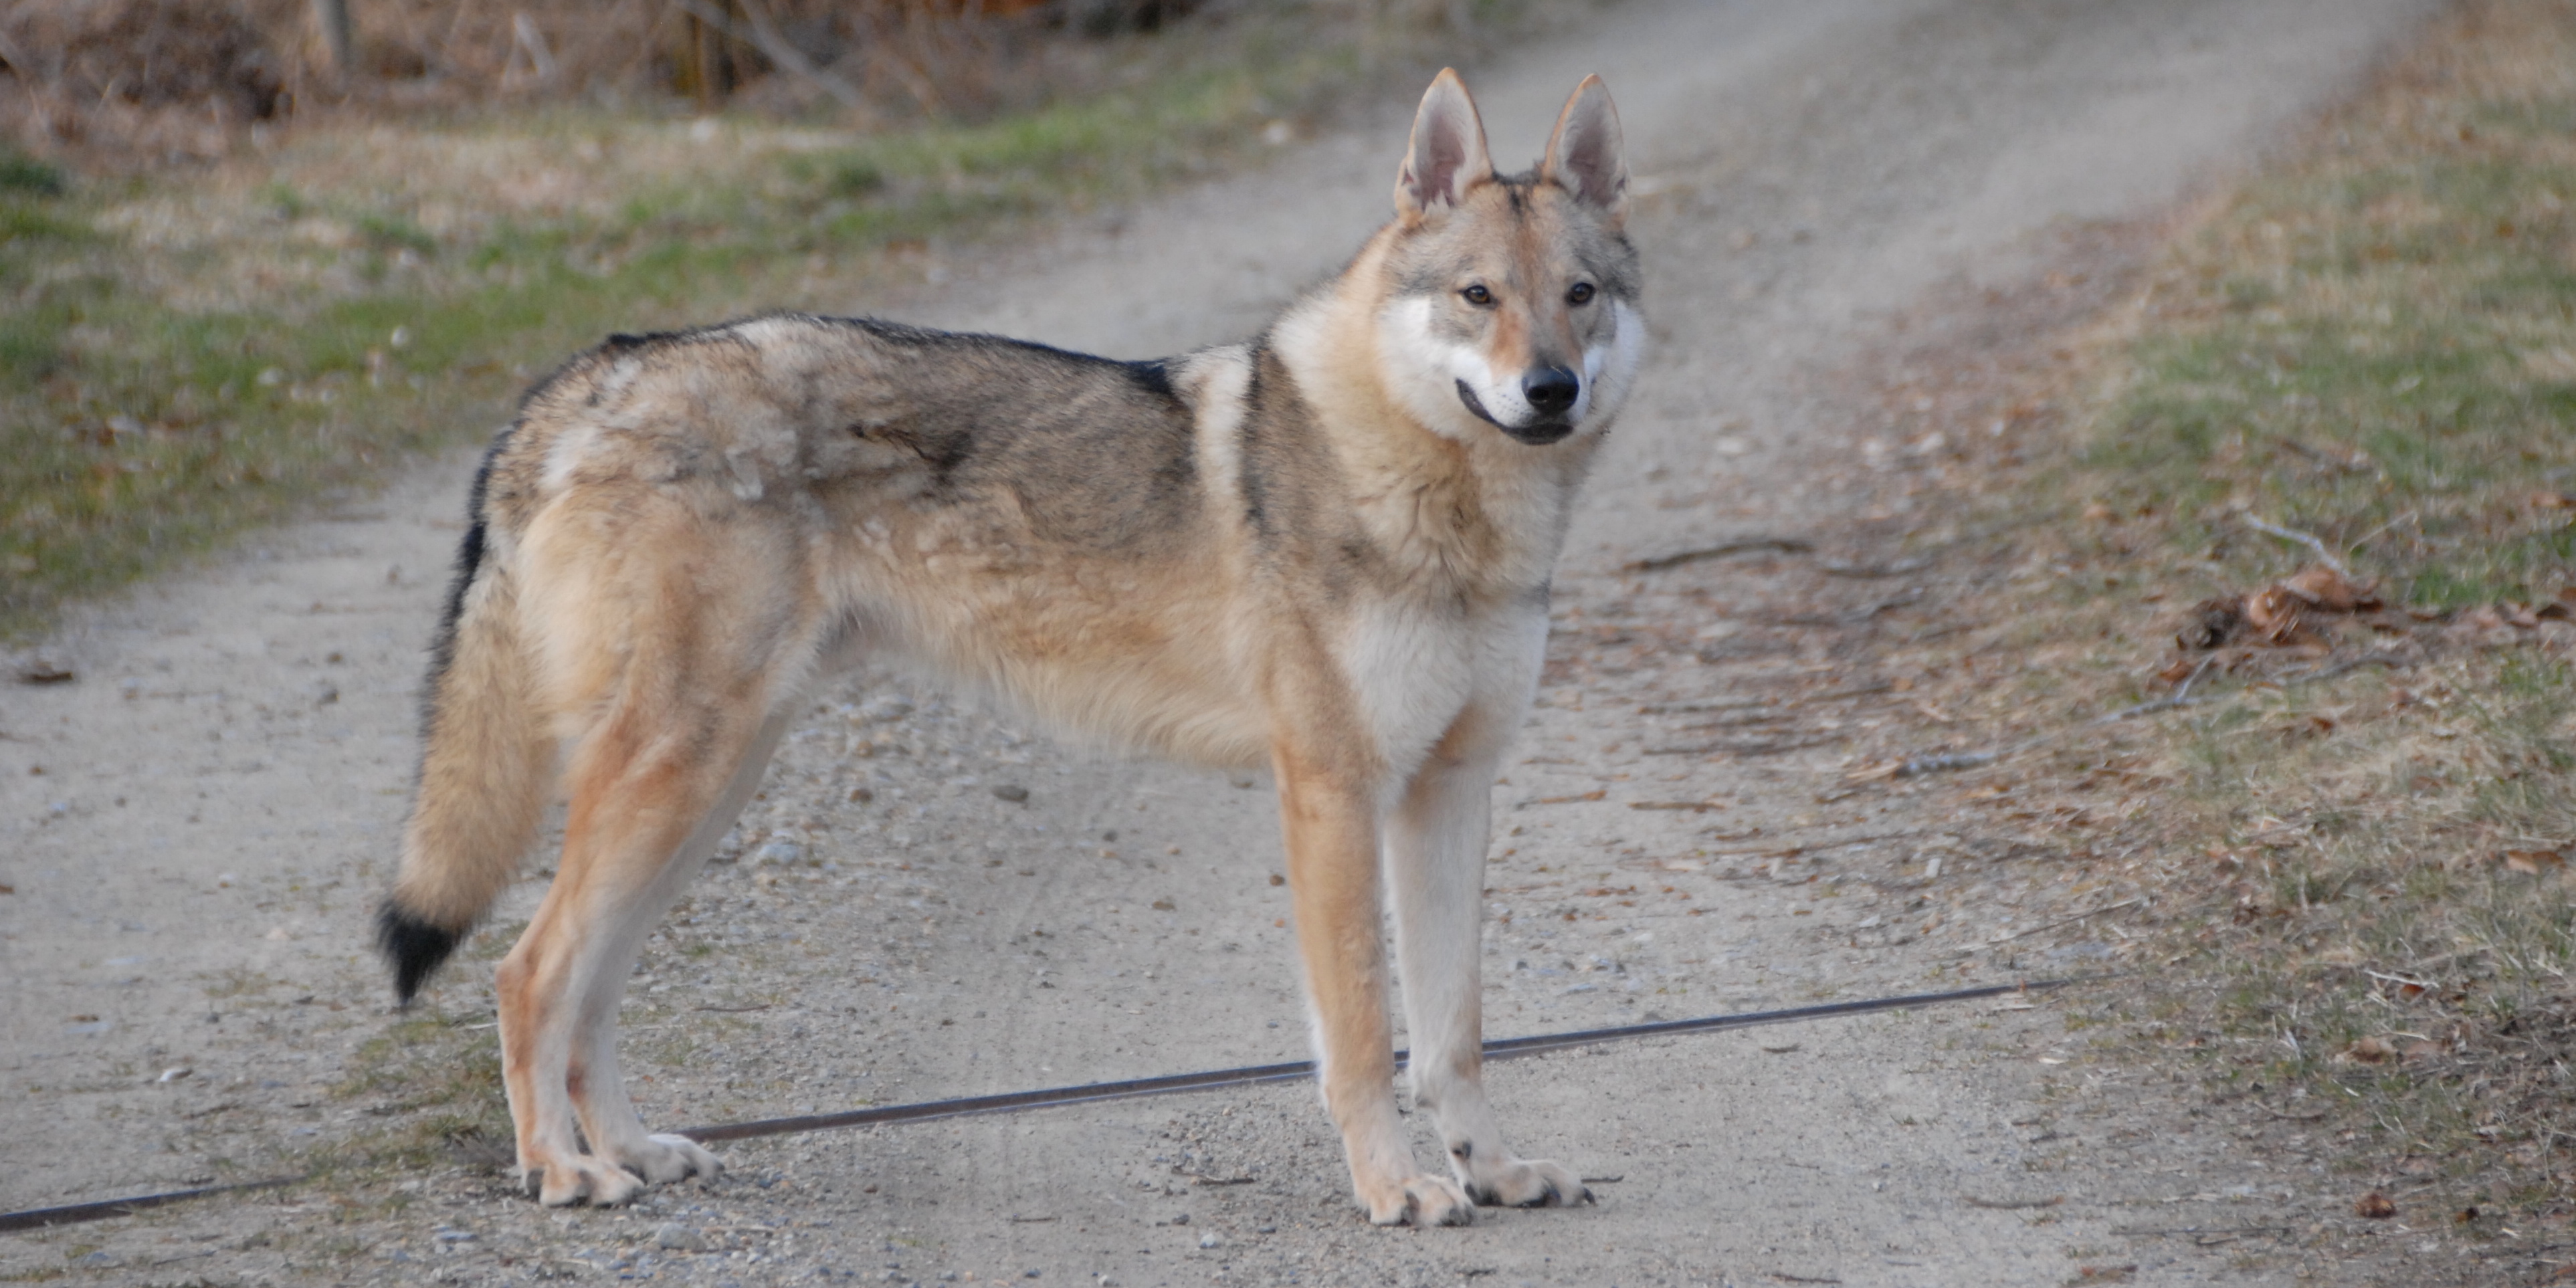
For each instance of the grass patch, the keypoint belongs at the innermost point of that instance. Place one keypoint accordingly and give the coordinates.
(436, 1078)
(187, 356)
(2353, 850)
(2378, 346)
(2366, 925)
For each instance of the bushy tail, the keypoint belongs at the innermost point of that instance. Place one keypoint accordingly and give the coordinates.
(483, 773)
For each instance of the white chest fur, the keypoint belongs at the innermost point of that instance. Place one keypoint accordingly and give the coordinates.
(1417, 671)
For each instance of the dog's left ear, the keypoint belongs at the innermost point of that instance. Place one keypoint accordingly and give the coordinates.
(1585, 156)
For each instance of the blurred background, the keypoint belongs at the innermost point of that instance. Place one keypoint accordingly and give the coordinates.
(141, 80)
(260, 251)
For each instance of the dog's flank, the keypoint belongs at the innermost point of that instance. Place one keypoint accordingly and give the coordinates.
(1326, 550)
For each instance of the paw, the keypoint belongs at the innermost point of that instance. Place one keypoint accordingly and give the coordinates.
(580, 1178)
(1418, 1201)
(661, 1160)
(1529, 1182)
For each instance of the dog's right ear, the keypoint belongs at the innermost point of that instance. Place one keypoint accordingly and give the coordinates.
(1447, 155)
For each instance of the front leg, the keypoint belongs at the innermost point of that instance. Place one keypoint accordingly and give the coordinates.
(1435, 850)
(1327, 815)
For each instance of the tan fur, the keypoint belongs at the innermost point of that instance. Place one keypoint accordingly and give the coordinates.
(1309, 550)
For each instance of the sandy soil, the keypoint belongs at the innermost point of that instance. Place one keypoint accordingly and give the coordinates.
(199, 824)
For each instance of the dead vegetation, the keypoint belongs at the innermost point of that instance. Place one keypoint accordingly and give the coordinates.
(125, 83)
(2246, 596)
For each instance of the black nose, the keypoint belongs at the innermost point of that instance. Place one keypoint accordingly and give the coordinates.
(1551, 390)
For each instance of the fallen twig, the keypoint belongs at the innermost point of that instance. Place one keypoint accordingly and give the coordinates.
(2293, 1118)
(2324, 556)
(1696, 807)
(1915, 766)
(2329, 670)
(2141, 1232)
(2114, 907)
(1870, 571)
(1739, 546)
(2012, 1205)
(1593, 795)
(1770, 748)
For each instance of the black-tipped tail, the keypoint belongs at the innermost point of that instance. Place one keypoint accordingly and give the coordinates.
(415, 947)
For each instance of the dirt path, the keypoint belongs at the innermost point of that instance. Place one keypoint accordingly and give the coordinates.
(198, 825)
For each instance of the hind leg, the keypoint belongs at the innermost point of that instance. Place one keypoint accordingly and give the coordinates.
(608, 1118)
(647, 808)
(671, 646)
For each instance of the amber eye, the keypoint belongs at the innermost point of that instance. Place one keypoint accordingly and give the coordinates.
(1580, 294)
(1478, 295)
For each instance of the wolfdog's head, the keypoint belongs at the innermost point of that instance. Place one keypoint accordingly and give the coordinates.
(1511, 299)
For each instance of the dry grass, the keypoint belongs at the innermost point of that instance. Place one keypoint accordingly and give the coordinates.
(140, 82)
(2359, 925)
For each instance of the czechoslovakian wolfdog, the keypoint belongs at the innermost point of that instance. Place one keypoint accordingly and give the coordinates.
(1326, 550)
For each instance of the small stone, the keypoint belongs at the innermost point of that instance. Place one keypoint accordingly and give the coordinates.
(1211, 1240)
(1182, 1219)
(675, 1237)
(45, 670)
(1012, 792)
(2374, 1206)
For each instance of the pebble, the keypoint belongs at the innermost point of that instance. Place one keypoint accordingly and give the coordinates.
(1211, 1240)
(675, 1237)
(1012, 792)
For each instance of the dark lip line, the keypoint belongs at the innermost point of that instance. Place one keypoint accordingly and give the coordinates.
(1526, 433)
(1467, 395)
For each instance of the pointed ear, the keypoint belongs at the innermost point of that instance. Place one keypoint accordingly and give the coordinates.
(1585, 156)
(1447, 155)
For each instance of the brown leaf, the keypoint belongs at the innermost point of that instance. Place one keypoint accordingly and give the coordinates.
(2272, 613)
(2423, 1050)
(2324, 588)
(2374, 1206)
(2371, 1051)
(2534, 862)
